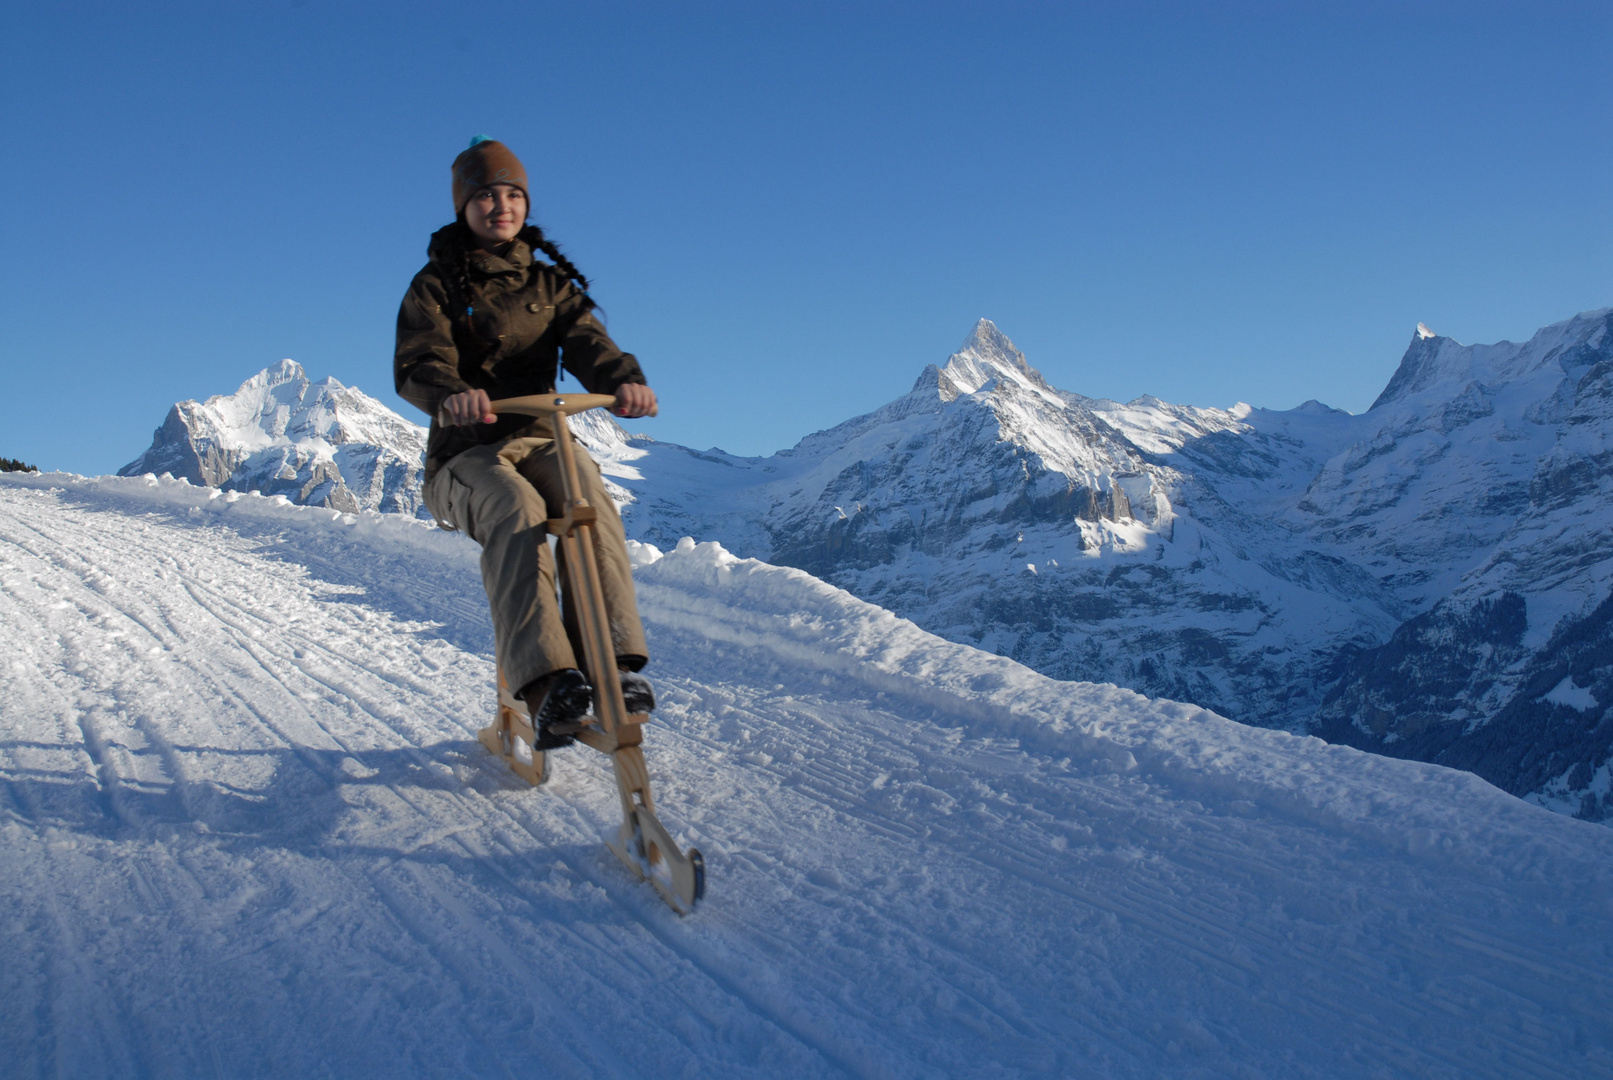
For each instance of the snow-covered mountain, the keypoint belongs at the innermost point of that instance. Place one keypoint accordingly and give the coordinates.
(1397, 579)
(321, 444)
(1086, 538)
(1430, 579)
(246, 830)
(1486, 496)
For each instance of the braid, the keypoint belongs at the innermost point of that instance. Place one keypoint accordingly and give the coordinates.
(457, 279)
(533, 234)
(462, 288)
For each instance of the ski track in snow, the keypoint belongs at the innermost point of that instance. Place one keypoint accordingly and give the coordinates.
(246, 830)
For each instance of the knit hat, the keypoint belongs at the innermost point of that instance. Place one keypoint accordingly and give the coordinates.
(487, 162)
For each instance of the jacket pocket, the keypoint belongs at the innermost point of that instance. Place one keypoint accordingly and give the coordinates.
(448, 499)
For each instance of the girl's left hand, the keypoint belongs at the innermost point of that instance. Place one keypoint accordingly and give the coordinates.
(634, 400)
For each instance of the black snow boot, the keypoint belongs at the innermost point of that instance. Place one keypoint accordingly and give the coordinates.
(558, 702)
(637, 694)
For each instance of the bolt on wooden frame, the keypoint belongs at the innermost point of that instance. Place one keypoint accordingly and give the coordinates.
(642, 843)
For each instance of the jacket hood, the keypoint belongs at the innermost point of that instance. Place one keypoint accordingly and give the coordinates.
(449, 244)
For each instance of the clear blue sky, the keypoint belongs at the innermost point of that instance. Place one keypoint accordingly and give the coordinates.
(789, 209)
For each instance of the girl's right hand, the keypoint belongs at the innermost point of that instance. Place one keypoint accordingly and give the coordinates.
(468, 407)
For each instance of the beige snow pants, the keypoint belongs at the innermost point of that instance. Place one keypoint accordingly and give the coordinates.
(500, 495)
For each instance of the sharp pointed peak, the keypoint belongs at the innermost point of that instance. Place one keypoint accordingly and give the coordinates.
(987, 356)
(987, 340)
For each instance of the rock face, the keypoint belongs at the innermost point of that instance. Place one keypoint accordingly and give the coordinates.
(321, 444)
(1429, 579)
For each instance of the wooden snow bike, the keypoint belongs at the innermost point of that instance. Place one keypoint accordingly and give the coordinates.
(642, 843)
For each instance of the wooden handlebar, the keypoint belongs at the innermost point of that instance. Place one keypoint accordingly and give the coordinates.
(545, 404)
(549, 404)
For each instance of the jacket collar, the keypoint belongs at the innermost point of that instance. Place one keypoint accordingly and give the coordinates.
(454, 243)
(516, 258)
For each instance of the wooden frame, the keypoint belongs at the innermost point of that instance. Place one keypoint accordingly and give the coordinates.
(642, 843)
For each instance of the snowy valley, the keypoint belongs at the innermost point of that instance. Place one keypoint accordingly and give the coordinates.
(246, 830)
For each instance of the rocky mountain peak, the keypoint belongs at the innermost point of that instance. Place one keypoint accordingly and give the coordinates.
(1420, 367)
(987, 356)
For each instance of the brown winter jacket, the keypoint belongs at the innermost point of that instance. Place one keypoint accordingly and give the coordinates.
(474, 320)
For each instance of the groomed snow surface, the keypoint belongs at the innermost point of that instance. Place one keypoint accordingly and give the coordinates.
(246, 830)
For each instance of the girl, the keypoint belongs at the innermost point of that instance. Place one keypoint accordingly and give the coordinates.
(487, 319)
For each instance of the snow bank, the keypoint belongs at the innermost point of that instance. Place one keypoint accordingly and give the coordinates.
(245, 829)
(135, 494)
(701, 587)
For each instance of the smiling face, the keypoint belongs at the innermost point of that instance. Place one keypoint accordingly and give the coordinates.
(496, 213)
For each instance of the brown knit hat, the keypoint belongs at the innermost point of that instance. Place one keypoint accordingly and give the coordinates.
(488, 161)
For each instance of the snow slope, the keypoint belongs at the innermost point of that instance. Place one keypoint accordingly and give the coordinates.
(245, 830)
